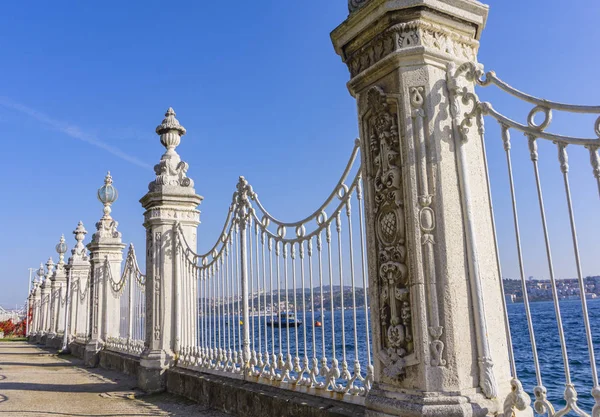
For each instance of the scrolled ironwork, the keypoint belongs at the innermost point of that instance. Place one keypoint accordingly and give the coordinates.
(255, 249)
(534, 131)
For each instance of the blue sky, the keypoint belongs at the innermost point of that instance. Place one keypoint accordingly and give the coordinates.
(261, 93)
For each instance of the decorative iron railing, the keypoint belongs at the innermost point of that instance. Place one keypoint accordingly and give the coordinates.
(80, 306)
(474, 111)
(291, 311)
(132, 322)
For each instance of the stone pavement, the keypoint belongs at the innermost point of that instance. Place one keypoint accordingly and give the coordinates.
(37, 383)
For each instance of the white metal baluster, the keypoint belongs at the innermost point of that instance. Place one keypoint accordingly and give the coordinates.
(130, 310)
(214, 278)
(180, 311)
(572, 396)
(517, 392)
(324, 369)
(259, 359)
(288, 362)
(198, 325)
(235, 319)
(205, 315)
(199, 342)
(540, 390)
(266, 360)
(227, 300)
(241, 272)
(357, 370)
(302, 274)
(345, 374)
(370, 370)
(273, 370)
(295, 289)
(281, 363)
(191, 311)
(534, 159)
(314, 371)
(334, 373)
(221, 280)
(253, 359)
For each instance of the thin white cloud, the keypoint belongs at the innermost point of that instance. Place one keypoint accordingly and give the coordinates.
(70, 130)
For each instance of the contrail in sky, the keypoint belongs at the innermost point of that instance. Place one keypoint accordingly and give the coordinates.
(70, 130)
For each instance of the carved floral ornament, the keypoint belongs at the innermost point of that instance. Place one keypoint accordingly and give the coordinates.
(385, 179)
(171, 170)
(411, 34)
(354, 5)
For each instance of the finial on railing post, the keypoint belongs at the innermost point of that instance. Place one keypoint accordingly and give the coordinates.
(106, 227)
(107, 194)
(40, 273)
(61, 249)
(170, 131)
(171, 170)
(79, 250)
(49, 268)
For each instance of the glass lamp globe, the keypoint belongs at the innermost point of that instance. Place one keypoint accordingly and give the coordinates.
(61, 247)
(107, 194)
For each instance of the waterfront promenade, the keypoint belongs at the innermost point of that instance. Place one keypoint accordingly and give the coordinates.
(37, 383)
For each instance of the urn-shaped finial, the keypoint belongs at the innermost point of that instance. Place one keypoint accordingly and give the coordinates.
(107, 194)
(49, 268)
(170, 131)
(40, 273)
(79, 233)
(61, 249)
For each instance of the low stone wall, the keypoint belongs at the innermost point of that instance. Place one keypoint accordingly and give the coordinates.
(77, 349)
(248, 399)
(121, 362)
(55, 342)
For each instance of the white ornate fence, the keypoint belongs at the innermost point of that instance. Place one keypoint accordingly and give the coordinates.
(473, 112)
(80, 305)
(132, 298)
(287, 303)
(290, 310)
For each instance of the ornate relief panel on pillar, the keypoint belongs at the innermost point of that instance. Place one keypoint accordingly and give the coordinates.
(386, 214)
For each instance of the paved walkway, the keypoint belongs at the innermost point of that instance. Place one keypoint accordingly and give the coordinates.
(36, 383)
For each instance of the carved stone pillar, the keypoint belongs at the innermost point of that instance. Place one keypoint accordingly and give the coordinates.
(439, 334)
(45, 302)
(106, 256)
(171, 199)
(58, 293)
(79, 272)
(35, 320)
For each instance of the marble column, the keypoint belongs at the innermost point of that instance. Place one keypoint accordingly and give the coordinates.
(106, 256)
(171, 199)
(439, 334)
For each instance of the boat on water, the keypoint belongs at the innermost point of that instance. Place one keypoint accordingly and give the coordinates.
(285, 319)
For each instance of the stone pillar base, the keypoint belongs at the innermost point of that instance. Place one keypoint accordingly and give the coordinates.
(91, 356)
(152, 380)
(152, 376)
(382, 403)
